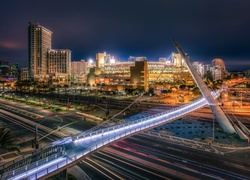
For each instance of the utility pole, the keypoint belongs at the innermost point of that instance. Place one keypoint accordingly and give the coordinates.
(36, 144)
(213, 128)
(241, 99)
(68, 105)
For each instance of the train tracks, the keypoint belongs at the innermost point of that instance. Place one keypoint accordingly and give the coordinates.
(30, 125)
(20, 111)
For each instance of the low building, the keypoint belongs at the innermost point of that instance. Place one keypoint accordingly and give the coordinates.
(24, 74)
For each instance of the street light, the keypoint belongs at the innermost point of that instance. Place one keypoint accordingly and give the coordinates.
(241, 99)
(44, 102)
(36, 143)
(68, 105)
(213, 128)
(26, 98)
(106, 110)
(13, 96)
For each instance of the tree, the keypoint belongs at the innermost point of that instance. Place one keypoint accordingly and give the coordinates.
(34, 84)
(58, 88)
(151, 91)
(182, 86)
(65, 88)
(98, 85)
(2, 82)
(19, 85)
(6, 140)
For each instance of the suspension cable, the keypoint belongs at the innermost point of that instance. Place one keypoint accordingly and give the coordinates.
(108, 120)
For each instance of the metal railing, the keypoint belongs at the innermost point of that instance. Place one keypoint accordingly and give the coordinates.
(60, 159)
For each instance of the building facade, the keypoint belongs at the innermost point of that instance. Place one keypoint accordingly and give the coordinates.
(139, 74)
(59, 65)
(79, 71)
(39, 42)
(218, 69)
(24, 74)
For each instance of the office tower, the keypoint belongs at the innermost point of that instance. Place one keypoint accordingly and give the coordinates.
(39, 42)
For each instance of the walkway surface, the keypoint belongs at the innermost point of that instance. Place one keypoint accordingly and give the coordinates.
(71, 149)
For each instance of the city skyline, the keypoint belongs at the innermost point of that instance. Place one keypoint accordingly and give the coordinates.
(206, 30)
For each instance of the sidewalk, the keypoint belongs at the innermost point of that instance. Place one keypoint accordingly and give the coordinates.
(89, 116)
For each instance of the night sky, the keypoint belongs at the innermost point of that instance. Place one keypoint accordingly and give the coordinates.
(206, 29)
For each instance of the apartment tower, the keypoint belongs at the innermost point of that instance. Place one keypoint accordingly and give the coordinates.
(39, 39)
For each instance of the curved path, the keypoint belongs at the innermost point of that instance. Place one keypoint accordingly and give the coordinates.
(74, 148)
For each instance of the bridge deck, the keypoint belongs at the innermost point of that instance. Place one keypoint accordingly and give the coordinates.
(77, 146)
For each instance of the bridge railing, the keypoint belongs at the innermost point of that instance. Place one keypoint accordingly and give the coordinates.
(65, 160)
(36, 164)
(68, 160)
(84, 135)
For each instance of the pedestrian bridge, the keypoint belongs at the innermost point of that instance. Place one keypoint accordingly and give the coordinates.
(69, 151)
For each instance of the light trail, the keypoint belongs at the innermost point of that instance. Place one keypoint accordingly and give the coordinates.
(84, 143)
(134, 166)
(96, 169)
(123, 169)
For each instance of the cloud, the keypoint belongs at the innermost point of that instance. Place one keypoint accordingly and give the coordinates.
(11, 45)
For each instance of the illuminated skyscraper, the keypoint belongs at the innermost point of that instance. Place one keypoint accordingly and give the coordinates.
(59, 64)
(39, 42)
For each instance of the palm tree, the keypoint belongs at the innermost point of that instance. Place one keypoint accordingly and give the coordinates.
(58, 88)
(39, 88)
(27, 84)
(19, 85)
(6, 140)
(65, 88)
(7, 85)
(98, 85)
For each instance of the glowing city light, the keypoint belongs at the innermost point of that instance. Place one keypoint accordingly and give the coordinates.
(112, 61)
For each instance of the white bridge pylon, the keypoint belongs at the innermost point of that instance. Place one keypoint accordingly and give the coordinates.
(215, 108)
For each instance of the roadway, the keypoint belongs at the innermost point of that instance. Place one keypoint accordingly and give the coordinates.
(145, 157)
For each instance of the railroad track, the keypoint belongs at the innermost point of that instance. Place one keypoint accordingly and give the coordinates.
(20, 111)
(28, 123)
(26, 126)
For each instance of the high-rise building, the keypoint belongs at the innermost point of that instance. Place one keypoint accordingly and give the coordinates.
(79, 67)
(39, 39)
(59, 64)
(79, 70)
